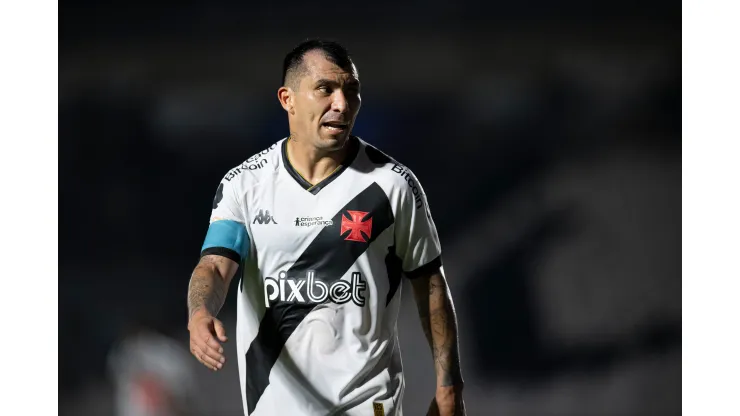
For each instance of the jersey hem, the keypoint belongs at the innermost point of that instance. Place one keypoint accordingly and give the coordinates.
(222, 251)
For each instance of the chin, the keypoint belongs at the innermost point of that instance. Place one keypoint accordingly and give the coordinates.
(334, 142)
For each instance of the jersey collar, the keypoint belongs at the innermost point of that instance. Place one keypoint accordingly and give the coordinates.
(315, 188)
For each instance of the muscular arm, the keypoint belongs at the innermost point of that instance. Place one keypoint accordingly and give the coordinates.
(206, 294)
(438, 320)
(209, 285)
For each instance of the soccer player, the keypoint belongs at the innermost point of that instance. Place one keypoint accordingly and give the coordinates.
(325, 226)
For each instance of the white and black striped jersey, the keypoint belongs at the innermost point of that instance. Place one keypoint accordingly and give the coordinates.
(320, 288)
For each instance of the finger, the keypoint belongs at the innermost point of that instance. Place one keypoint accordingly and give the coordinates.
(197, 353)
(220, 330)
(212, 343)
(207, 360)
(214, 353)
(212, 363)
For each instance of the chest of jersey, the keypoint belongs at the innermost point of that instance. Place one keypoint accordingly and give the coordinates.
(296, 231)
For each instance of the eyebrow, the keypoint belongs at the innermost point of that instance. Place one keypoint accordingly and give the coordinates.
(352, 82)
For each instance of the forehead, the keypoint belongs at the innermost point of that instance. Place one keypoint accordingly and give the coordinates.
(319, 67)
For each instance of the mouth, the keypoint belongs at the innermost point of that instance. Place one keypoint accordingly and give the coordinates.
(335, 127)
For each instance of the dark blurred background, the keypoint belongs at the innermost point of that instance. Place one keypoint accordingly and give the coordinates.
(546, 135)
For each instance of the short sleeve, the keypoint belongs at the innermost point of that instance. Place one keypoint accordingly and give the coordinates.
(227, 233)
(417, 242)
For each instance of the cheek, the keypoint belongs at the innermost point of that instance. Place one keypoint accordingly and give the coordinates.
(312, 117)
(306, 109)
(313, 110)
(306, 115)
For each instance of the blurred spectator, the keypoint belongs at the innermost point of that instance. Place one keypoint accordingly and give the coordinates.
(151, 374)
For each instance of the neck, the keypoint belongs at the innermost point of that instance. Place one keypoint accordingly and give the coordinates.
(315, 164)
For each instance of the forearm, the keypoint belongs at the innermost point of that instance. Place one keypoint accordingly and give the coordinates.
(443, 323)
(437, 314)
(207, 290)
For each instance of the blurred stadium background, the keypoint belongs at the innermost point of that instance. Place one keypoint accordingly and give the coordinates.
(546, 135)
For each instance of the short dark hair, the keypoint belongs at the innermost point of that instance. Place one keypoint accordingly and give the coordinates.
(334, 52)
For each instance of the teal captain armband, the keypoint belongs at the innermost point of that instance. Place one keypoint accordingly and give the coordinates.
(226, 238)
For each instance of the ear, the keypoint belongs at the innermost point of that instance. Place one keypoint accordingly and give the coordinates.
(285, 96)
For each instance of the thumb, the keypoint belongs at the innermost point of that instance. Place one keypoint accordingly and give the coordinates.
(220, 330)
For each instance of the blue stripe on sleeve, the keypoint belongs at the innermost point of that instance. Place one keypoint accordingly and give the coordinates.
(227, 234)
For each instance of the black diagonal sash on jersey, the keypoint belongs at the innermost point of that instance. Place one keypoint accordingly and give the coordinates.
(329, 256)
(395, 269)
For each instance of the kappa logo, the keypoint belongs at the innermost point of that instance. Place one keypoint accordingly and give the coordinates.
(356, 226)
(264, 217)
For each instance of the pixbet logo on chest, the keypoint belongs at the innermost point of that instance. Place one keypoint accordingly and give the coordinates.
(316, 291)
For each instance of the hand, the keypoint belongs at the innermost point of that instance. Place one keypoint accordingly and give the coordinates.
(205, 332)
(447, 402)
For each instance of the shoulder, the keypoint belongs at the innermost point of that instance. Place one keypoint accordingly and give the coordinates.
(390, 170)
(254, 168)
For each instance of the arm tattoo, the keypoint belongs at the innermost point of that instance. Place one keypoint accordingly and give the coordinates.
(443, 327)
(422, 305)
(207, 289)
(437, 316)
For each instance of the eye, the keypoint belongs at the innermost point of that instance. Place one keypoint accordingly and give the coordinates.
(325, 89)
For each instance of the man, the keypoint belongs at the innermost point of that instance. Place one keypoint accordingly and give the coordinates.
(324, 226)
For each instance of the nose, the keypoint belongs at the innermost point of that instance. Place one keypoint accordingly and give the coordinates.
(339, 102)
